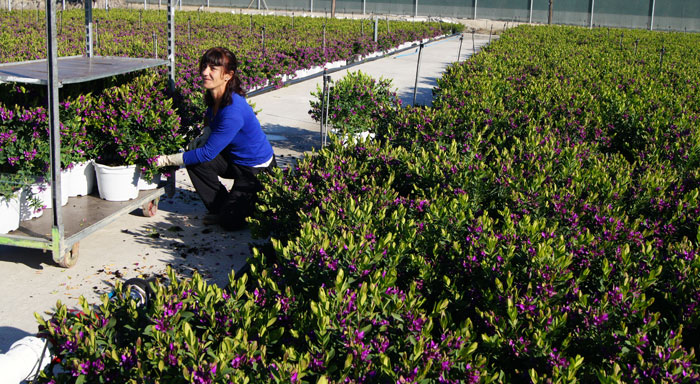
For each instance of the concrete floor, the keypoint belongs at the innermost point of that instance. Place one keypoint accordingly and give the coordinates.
(134, 246)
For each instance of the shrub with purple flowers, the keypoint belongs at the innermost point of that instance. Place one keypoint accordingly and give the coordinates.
(357, 102)
(538, 224)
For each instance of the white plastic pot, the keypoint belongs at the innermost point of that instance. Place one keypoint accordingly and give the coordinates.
(9, 214)
(119, 183)
(42, 191)
(145, 185)
(79, 180)
(38, 191)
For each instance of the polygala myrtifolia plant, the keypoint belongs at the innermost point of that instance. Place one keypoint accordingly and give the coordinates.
(523, 229)
(356, 103)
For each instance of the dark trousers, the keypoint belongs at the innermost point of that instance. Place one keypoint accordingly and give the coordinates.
(233, 206)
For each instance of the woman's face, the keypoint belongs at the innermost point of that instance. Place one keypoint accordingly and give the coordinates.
(214, 78)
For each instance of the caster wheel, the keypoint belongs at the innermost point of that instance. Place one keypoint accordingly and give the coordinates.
(150, 208)
(70, 257)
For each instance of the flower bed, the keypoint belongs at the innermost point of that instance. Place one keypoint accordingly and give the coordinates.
(540, 223)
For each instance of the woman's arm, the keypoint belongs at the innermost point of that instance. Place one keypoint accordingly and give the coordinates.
(223, 129)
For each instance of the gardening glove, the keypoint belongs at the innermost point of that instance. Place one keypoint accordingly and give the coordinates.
(200, 140)
(174, 160)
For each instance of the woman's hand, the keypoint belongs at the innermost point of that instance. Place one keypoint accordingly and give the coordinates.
(174, 160)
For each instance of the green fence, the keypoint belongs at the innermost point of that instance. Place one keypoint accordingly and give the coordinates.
(678, 15)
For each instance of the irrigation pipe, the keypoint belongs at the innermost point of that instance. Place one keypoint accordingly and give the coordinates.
(269, 88)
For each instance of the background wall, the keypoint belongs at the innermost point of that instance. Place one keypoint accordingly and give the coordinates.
(678, 15)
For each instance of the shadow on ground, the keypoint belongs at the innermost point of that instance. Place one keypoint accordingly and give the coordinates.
(186, 244)
(9, 335)
(424, 94)
(32, 258)
(291, 139)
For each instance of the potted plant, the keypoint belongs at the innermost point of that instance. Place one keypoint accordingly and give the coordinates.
(135, 123)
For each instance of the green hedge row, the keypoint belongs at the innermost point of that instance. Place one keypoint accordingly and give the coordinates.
(539, 223)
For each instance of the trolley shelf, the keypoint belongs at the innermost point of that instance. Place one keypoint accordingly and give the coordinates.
(74, 69)
(84, 215)
(60, 229)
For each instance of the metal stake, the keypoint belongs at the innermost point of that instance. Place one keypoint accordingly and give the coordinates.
(155, 45)
(263, 41)
(189, 30)
(661, 60)
(324, 40)
(590, 26)
(459, 53)
(325, 105)
(415, 85)
(490, 33)
(473, 43)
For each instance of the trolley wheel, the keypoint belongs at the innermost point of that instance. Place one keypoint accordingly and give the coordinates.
(70, 257)
(150, 208)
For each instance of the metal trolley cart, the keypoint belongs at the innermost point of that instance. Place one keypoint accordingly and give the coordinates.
(62, 228)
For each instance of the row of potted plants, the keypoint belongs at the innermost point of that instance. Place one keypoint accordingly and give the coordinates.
(127, 125)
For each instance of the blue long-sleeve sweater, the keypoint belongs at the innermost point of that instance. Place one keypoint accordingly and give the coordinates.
(235, 132)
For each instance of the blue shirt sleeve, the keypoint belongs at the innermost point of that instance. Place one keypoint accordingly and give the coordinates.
(224, 127)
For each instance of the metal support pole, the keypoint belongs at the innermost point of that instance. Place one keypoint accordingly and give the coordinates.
(9, 5)
(155, 45)
(258, 4)
(653, 8)
(88, 29)
(415, 85)
(490, 33)
(531, 2)
(415, 9)
(144, 4)
(171, 46)
(54, 125)
(376, 28)
(475, 1)
(590, 26)
(364, 6)
(312, 6)
(459, 53)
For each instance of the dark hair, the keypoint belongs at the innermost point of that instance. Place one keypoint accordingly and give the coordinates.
(219, 56)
